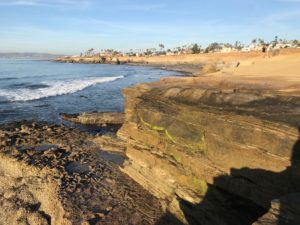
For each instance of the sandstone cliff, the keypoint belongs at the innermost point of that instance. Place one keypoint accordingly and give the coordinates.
(216, 150)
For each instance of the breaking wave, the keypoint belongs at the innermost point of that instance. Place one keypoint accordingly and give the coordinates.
(53, 88)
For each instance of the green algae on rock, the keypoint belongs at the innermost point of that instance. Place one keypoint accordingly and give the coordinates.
(216, 153)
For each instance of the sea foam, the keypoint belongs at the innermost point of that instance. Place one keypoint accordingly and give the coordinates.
(54, 88)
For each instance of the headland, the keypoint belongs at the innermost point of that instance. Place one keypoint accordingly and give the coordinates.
(218, 147)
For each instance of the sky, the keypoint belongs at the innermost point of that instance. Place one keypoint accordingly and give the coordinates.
(72, 26)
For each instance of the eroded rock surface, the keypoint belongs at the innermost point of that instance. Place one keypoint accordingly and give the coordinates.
(54, 175)
(110, 143)
(213, 152)
(96, 118)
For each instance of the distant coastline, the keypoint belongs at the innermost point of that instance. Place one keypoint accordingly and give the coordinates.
(27, 55)
(188, 64)
(183, 139)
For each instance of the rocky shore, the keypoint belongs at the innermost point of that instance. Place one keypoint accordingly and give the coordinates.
(56, 175)
(100, 119)
(221, 148)
(190, 64)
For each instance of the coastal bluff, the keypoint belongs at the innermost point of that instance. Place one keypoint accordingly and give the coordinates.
(222, 148)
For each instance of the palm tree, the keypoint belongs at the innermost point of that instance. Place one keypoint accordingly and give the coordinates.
(89, 52)
(276, 39)
(162, 46)
(196, 48)
(261, 41)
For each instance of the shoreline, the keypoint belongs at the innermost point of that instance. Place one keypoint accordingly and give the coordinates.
(190, 64)
(189, 142)
(185, 69)
(46, 101)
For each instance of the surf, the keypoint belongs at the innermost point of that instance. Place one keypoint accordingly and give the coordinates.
(54, 88)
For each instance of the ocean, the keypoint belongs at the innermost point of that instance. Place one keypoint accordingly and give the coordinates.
(41, 90)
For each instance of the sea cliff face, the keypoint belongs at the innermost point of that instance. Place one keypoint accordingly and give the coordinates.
(213, 153)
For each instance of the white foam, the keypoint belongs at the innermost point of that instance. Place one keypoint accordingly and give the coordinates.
(55, 88)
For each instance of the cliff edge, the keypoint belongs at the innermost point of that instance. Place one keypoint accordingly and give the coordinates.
(222, 148)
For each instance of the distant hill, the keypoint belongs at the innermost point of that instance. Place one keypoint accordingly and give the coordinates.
(28, 55)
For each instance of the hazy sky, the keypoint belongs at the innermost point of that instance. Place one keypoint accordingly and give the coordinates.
(71, 26)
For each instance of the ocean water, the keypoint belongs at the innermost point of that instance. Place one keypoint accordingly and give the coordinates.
(41, 90)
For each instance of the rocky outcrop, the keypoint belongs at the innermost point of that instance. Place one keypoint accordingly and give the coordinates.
(110, 143)
(90, 60)
(215, 150)
(214, 153)
(55, 175)
(96, 118)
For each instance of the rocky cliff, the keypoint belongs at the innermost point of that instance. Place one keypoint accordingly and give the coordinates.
(220, 149)
(215, 152)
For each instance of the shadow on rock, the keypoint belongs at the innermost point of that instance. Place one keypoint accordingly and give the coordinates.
(251, 196)
(168, 219)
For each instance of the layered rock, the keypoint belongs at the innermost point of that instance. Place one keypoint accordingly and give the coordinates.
(214, 152)
(96, 118)
(55, 175)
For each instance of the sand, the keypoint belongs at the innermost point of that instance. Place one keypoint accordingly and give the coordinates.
(280, 73)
